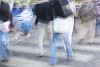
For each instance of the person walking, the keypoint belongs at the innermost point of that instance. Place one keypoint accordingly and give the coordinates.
(43, 22)
(5, 24)
(61, 11)
(23, 20)
(97, 16)
(85, 24)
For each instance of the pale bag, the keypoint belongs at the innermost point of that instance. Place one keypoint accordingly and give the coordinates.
(5, 26)
(62, 25)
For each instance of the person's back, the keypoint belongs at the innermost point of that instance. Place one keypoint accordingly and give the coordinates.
(43, 18)
(41, 10)
(97, 15)
(16, 11)
(63, 8)
(24, 20)
(96, 7)
(86, 12)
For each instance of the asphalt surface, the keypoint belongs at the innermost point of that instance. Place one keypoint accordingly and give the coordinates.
(26, 54)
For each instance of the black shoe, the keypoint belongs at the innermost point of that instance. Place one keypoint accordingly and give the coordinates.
(70, 59)
(53, 64)
(40, 56)
(4, 60)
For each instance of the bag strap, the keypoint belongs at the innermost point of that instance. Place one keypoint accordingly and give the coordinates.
(53, 11)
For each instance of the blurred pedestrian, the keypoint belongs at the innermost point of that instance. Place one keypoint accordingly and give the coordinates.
(43, 22)
(97, 16)
(85, 24)
(24, 21)
(63, 9)
(5, 24)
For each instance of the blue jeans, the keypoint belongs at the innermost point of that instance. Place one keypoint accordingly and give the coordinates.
(26, 27)
(97, 26)
(4, 41)
(55, 38)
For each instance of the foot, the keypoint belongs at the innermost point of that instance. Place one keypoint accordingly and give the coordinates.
(6, 60)
(52, 64)
(40, 56)
(69, 59)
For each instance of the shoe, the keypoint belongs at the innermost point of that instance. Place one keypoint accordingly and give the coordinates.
(70, 59)
(6, 60)
(40, 56)
(52, 64)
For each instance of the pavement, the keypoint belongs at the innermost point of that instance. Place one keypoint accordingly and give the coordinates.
(26, 54)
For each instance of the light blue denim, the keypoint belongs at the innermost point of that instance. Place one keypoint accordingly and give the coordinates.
(97, 26)
(55, 38)
(4, 41)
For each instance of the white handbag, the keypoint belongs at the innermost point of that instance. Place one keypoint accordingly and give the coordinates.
(62, 25)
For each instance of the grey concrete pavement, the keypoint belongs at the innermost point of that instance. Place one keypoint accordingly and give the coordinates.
(26, 54)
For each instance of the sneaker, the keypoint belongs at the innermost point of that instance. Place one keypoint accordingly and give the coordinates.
(6, 60)
(40, 56)
(69, 58)
(52, 64)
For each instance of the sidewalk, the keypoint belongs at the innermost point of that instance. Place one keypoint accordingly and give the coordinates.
(25, 54)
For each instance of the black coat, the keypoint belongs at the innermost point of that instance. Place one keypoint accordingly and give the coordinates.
(56, 8)
(60, 8)
(43, 12)
(48, 10)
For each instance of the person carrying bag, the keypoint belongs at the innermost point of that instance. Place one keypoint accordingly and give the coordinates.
(63, 23)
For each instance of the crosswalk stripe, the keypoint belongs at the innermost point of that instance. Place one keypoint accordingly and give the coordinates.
(82, 57)
(87, 48)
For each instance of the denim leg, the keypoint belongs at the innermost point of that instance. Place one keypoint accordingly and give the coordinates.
(4, 51)
(26, 26)
(69, 50)
(97, 27)
(53, 57)
(5, 39)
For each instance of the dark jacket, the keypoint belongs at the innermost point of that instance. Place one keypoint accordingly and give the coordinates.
(60, 8)
(16, 11)
(42, 11)
(48, 10)
(57, 9)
